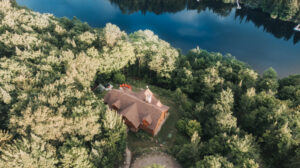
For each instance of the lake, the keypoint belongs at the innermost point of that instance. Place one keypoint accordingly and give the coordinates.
(249, 35)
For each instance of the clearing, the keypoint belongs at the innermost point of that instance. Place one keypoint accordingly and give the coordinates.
(158, 158)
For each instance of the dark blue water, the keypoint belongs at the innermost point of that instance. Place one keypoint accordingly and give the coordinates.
(249, 35)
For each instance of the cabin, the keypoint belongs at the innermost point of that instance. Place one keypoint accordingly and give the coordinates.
(139, 110)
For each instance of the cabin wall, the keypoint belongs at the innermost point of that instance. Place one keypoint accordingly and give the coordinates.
(160, 121)
(145, 127)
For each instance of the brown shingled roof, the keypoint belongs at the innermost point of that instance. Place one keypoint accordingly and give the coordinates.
(133, 106)
(131, 113)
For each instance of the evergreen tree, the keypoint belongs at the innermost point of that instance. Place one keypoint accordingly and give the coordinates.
(28, 152)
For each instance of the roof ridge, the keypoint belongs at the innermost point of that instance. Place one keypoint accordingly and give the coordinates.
(140, 100)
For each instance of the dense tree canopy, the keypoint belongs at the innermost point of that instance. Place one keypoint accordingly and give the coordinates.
(240, 118)
(46, 100)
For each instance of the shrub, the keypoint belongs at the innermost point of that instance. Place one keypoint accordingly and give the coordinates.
(119, 78)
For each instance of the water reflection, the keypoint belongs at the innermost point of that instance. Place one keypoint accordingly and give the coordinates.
(154, 6)
(278, 28)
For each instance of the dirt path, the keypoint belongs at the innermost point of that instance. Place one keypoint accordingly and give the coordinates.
(127, 161)
(158, 158)
(128, 158)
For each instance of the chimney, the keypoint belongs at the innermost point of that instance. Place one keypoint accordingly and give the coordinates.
(148, 98)
(148, 95)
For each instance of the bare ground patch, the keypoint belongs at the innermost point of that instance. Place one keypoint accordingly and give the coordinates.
(156, 157)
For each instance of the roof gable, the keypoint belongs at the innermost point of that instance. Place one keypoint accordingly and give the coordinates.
(131, 113)
(148, 118)
(117, 104)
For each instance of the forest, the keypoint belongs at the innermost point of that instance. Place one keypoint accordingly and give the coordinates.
(231, 116)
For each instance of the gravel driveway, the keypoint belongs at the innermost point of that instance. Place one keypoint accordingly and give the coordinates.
(158, 158)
